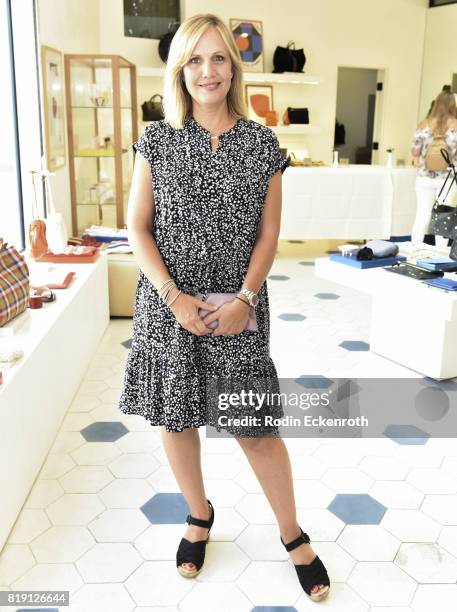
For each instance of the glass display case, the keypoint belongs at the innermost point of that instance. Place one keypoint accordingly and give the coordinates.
(102, 124)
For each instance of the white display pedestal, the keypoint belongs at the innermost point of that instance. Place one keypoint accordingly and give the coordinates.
(411, 324)
(58, 341)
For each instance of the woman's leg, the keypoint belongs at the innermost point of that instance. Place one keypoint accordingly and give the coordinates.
(445, 198)
(183, 453)
(270, 461)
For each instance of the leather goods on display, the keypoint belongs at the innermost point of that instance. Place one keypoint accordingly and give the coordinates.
(14, 283)
(414, 272)
(443, 264)
(218, 299)
(382, 248)
(442, 283)
(376, 262)
(443, 221)
(37, 228)
(72, 254)
(364, 254)
(288, 59)
(165, 41)
(295, 116)
(153, 109)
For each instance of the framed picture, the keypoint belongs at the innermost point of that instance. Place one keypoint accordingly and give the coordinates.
(53, 97)
(259, 99)
(248, 37)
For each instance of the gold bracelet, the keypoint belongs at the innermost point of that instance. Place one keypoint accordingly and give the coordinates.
(176, 296)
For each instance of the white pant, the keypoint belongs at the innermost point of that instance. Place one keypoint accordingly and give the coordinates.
(427, 190)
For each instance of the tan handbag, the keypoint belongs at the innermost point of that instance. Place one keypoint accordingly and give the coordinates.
(37, 229)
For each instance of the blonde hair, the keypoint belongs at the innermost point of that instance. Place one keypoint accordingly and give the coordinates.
(177, 102)
(442, 110)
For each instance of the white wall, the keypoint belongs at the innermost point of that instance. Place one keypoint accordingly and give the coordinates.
(440, 59)
(378, 34)
(71, 26)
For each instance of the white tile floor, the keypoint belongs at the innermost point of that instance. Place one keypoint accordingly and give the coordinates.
(81, 528)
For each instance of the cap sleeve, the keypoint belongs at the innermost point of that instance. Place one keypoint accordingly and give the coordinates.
(276, 160)
(146, 143)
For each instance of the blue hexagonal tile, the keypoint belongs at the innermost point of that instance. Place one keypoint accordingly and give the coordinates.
(314, 381)
(274, 609)
(327, 296)
(406, 434)
(104, 431)
(306, 263)
(355, 345)
(166, 508)
(278, 277)
(291, 316)
(127, 343)
(357, 508)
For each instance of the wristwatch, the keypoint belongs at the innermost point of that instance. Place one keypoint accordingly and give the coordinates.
(253, 298)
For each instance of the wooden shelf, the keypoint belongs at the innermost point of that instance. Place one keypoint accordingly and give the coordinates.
(289, 78)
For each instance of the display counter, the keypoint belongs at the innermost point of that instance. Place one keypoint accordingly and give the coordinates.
(348, 202)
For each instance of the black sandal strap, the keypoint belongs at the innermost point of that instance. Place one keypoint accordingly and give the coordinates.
(314, 573)
(303, 537)
(202, 522)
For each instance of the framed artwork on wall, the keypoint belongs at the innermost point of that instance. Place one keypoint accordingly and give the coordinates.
(259, 99)
(248, 37)
(53, 99)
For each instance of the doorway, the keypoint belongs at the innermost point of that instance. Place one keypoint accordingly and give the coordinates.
(357, 106)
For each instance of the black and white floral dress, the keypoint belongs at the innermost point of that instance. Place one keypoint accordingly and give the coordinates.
(207, 210)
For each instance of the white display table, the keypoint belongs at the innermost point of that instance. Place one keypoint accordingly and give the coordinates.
(349, 202)
(58, 341)
(411, 324)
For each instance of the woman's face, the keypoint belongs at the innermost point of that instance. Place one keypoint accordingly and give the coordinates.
(208, 72)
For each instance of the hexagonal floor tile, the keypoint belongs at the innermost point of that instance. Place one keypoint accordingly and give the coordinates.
(86, 479)
(355, 345)
(118, 525)
(312, 494)
(384, 468)
(369, 580)
(406, 434)
(166, 508)
(160, 542)
(157, 583)
(226, 492)
(109, 563)
(427, 563)
(127, 343)
(270, 583)
(96, 453)
(75, 509)
(357, 509)
(320, 524)
(203, 596)
(432, 480)
(340, 599)
(104, 431)
(50, 577)
(56, 465)
(314, 381)
(228, 526)
(442, 508)
(15, 560)
(113, 597)
(411, 525)
(140, 442)
(255, 508)
(396, 494)
(262, 543)
(29, 524)
(224, 562)
(291, 316)
(134, 465)
(327, 296)
(338, 562)
(369, 543)
(447, 539)
(440, 597)
(62, 544)
(43, 493)
(126, 493)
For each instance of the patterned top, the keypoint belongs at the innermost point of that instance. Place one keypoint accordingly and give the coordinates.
(423, 137)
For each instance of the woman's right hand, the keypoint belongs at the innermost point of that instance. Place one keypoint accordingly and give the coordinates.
(185, 308)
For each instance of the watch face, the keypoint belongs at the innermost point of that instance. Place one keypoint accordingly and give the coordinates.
(255, 300)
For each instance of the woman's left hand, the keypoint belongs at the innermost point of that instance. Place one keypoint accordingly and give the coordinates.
(231, 317)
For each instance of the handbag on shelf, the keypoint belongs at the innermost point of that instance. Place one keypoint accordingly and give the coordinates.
(14, 283)
(37, 228)
(152, 108)
(288, 59)
(295, 115)
(165, 40)
(217, 299)
(443, 220)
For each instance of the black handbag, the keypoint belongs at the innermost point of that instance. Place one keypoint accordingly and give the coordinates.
(165, 40)
(296, 115)
(288, 59)
(443, 221)
(152, 109)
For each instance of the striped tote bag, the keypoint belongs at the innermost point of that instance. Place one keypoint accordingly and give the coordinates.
(14, 283)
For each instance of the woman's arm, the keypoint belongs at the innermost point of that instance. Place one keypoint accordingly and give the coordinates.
(140, 219)
(264, 250)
